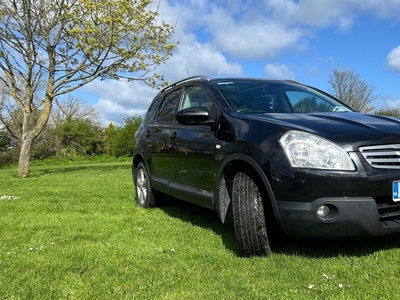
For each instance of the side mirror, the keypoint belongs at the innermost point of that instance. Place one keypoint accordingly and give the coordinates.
(194, 116)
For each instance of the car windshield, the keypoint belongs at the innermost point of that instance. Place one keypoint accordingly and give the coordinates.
(255, 96)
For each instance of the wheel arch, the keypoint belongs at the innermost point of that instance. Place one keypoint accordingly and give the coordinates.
(137, 159)
(231, 165)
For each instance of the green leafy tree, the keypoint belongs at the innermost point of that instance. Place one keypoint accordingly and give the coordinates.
(78, 137)
(52, 47)
(4, 139)
(350, 88)
(75, 120)
(121, 138)
(109, 138)
(45, 144)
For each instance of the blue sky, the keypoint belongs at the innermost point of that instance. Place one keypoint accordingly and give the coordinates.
(304, 40)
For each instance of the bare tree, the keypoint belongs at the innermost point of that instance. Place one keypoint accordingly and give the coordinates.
(350, 88)
(52, 47)
(73, 107)
(390, 112)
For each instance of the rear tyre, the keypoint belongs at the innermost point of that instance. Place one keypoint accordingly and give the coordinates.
(144, 191)
(248, 216)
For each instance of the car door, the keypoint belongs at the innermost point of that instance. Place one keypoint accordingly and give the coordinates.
(161, 142)
(194, 150)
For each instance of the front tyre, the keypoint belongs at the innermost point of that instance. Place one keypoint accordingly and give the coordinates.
(248, 216)
(144, 191)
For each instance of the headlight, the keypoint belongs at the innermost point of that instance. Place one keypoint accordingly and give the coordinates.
(306, 150)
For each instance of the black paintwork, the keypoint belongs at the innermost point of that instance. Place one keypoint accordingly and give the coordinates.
(188, 154)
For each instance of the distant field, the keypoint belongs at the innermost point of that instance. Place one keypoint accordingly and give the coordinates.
(75, 232)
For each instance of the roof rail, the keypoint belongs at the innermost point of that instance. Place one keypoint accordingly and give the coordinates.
(184, 80)
(291, 81)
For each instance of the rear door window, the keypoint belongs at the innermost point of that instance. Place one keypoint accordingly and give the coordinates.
(168, 106)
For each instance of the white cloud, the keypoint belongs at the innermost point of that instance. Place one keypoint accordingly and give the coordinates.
(112, 112)
(388, 9)
(320, 14)
(337, 13)
(278, 71)
(256, 41)
(216, 36)
(245, 32)
(122, 92)
(198, 59)
(393, 59)
(118, 100)
(389, 102)
(263, 29)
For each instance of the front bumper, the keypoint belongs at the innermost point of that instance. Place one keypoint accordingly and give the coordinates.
(350, 217)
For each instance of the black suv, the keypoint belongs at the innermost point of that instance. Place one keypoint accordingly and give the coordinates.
(267, 155)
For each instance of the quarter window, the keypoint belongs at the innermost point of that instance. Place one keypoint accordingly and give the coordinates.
(195, 96)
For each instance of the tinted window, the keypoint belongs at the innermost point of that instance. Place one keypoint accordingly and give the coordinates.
(168, 106)
(276, 97)
(196, 96)
(306, 102)
(152, 109)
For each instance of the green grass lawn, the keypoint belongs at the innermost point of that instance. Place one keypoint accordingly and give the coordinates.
(75, 232)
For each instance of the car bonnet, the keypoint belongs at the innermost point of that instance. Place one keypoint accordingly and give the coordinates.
(348, 129)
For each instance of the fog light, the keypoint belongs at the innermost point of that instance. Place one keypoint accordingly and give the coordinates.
(323, 211)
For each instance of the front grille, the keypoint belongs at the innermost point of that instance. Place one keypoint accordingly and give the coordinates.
(383, 156)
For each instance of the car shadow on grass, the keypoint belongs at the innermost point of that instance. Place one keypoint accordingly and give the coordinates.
(201, 217)
(282, 244)
(327, 248)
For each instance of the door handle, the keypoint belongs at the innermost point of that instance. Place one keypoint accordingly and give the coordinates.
(147, 133)
(173, 135)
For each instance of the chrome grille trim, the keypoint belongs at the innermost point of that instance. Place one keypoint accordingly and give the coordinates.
(382, 156)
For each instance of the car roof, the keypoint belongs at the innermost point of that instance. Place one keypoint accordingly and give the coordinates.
(217, 80)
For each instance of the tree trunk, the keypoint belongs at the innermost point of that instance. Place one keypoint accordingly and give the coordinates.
(30, 133)
(24, 157)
